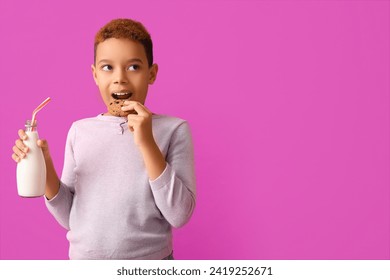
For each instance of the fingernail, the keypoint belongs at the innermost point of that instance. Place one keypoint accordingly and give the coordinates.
(25, 150)
(24, 137)
(22, 155)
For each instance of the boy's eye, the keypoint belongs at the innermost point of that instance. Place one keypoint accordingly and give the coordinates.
(133, 67)
(106, 67)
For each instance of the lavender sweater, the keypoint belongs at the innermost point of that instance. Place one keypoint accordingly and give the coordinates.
(106, 201)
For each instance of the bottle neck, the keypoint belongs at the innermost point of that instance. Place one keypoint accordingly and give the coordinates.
(31, 126)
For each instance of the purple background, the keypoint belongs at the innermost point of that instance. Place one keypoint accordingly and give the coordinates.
(288, 103)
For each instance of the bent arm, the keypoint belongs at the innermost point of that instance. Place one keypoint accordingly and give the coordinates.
(174, 190)
(173, 197)
(59, 194)
(52, 180)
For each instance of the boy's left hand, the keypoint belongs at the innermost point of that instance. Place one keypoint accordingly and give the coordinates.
(140, 124)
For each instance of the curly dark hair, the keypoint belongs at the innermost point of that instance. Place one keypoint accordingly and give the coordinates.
(128, 29)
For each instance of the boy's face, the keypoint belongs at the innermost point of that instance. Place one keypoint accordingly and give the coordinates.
(121, 71)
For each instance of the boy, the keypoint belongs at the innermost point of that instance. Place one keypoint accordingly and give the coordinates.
(128, 174)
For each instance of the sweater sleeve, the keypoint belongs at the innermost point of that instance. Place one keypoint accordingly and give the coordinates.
(174, 190)
(59, 206)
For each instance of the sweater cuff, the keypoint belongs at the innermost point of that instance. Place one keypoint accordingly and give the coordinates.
(55, 198)
(162, 180)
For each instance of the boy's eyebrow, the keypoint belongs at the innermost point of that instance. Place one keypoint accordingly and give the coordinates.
(129, 60)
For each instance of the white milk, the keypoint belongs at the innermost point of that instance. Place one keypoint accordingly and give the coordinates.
(31, 170)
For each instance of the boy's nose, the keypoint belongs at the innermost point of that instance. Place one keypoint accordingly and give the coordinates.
(121, 78)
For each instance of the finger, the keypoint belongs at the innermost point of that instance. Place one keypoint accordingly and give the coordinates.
(142, 110)
(129, 109)
(18, 152)
(130, 124)
(134, 120)
(42, 144)
(133, 117)
(20, 145)
(15, 158)
(22, 134)
(138, 107)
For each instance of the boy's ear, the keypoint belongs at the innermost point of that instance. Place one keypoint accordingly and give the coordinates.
(153, 73)
(93, 68)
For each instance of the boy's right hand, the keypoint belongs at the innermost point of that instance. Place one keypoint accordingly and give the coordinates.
(20, 149)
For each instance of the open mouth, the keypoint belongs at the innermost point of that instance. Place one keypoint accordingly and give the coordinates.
(121, 95)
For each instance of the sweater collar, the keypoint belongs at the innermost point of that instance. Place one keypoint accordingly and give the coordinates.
(111, 118)
(117, 119)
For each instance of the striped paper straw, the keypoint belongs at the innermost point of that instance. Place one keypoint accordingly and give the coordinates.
(43, 104)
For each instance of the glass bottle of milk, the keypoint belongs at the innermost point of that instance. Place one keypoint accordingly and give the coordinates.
(31, 170)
